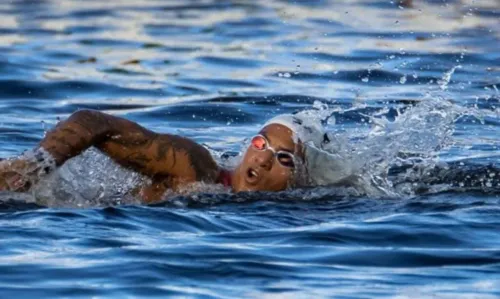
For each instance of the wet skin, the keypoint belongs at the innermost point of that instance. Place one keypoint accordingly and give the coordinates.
(260, 170)
(170, 161)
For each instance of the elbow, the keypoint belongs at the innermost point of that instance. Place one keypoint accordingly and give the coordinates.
(95, 122)
(86, 115)
(91, 118)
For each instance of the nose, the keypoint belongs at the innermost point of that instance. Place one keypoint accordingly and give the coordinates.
(265, 159)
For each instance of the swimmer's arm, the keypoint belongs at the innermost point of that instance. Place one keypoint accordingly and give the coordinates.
(159, 156)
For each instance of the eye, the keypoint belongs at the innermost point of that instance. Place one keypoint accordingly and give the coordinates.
(259, 142)
(285, 159)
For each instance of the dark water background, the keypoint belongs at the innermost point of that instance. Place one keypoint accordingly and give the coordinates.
(215, 71)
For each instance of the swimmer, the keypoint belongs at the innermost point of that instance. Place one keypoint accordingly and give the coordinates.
(274, 160)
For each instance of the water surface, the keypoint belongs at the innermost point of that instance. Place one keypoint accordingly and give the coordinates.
(215, 71)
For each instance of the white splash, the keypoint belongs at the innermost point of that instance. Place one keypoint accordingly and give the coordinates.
(445, 79)
(90, 179)
(415, 137)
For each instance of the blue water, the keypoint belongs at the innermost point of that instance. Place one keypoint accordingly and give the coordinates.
(216, 71)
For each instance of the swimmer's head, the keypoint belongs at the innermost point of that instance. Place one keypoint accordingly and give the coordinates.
(274, 160)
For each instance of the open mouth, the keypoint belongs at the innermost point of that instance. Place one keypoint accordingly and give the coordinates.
(252, 176)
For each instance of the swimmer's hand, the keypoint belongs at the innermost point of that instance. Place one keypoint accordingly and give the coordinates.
(169, 160)
(17, 175)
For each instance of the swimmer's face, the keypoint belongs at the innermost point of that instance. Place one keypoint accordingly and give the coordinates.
(268, 163)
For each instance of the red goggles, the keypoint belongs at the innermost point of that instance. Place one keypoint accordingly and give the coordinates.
(286, 159)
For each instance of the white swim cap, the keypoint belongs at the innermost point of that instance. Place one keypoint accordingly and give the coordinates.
(321, 167)
(305, 129)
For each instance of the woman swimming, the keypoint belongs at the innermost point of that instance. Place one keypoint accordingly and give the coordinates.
(272, 162)
(287, 152)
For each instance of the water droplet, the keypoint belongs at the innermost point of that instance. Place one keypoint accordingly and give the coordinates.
(445, 80)
(365, 79)
(402, 80)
